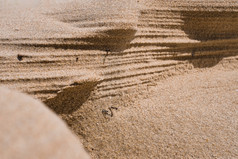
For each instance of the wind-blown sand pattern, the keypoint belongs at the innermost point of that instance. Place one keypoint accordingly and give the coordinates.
(143, 42)
(81, 57)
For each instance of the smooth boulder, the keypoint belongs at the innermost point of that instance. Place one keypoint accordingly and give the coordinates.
(30, 130)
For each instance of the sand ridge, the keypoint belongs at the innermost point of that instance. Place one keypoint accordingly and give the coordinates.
(126, 48)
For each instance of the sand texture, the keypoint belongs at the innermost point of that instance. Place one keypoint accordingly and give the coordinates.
(187, 116)
(143, 40)
(132, 78)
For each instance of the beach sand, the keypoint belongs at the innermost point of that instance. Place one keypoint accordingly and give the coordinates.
(132, 79)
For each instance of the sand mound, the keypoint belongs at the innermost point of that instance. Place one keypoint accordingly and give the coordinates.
(187, 116)
(29, 130)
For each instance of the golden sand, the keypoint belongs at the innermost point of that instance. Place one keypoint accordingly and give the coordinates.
(132, 79)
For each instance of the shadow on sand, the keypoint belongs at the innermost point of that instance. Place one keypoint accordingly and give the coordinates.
(71, 99)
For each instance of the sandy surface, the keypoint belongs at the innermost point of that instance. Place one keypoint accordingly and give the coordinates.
(133, 79)
(194, 115)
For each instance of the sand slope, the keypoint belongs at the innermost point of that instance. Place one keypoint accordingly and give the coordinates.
(187, 116)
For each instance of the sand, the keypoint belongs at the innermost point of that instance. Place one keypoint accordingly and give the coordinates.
(193, 115)
(132, 79)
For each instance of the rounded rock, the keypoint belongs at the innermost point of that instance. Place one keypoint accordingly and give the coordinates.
(30, 130)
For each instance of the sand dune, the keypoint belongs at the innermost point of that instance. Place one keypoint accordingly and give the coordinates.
(81, 57)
